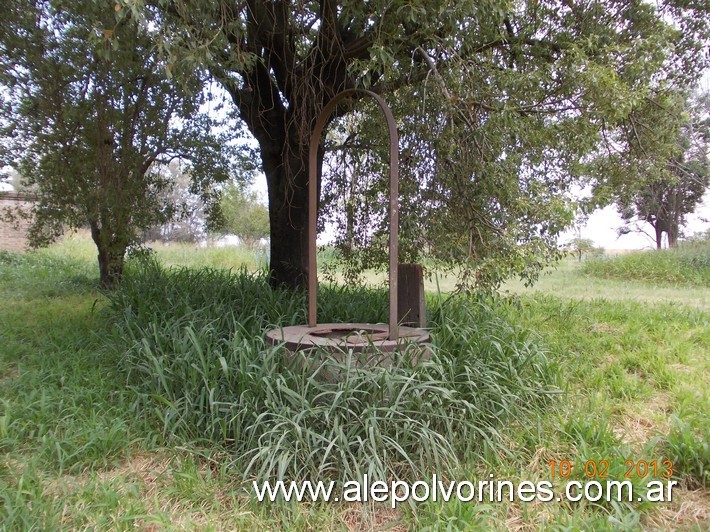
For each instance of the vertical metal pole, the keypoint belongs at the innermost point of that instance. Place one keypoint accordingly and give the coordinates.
(393, 206)
(312, 229)
(394, 219)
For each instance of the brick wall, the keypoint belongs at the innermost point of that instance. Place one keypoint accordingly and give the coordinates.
(13, 233)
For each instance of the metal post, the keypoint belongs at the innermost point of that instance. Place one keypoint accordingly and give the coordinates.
(393, 205)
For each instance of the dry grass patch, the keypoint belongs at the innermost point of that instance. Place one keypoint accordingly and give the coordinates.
(543, 456)
(371, 518)
(642, 421)
(690, 510)
(603, 328)
(147, 479)
(142, 468)
(8, 374)
(682, 368)
(528, 517)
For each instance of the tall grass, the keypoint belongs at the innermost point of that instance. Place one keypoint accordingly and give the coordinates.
(198, 361)
(689, 264)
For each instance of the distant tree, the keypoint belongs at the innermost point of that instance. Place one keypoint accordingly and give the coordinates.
(663, 174)
(581, 246)
(10, 176)
(16, 181)
(90, 114)
(700, 236)
(243, 214)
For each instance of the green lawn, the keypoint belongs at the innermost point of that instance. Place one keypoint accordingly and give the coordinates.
(79, 451)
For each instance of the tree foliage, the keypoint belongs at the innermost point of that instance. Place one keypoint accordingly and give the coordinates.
(89, 115)
(498, 102)
(581, 246)
(243, 214)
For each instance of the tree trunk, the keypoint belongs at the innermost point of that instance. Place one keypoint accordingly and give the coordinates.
(110, 257)
(288, 219)
(283, 129)
(674, 217)
(673, 231)
(110, 268)
(350, 209)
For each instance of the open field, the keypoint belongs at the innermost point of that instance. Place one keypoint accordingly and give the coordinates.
(84, 446)
(567, 280)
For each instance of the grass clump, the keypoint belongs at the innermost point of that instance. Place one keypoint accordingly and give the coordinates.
(198, 362)
(689, 264)
(66, 405)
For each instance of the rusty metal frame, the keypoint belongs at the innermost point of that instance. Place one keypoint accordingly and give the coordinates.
(393, 205)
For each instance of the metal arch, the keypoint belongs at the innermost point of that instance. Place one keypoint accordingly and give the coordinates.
(393, 205)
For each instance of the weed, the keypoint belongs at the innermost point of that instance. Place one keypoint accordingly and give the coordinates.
(689, 451)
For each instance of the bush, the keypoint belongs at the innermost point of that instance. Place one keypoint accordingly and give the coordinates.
(196, 355)
(689, 264)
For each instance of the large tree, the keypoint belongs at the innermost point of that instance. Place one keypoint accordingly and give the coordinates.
(89, 115)
(497, 101)
(676, 167)
(657, 166)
